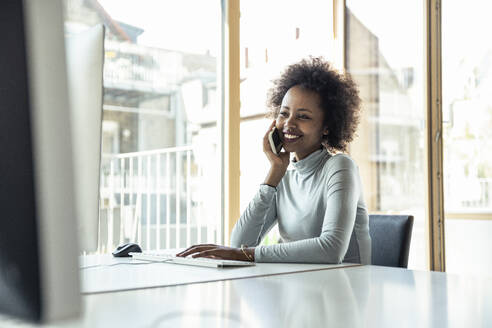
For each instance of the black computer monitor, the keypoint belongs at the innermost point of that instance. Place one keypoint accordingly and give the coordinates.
(39, 277)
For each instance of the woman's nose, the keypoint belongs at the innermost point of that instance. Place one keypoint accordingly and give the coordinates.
(290, 121)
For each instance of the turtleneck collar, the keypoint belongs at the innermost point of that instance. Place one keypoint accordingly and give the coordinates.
(310, 163)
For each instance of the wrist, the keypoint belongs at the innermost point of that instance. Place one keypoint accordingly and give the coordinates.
(251, 252)
(271, 183)
(248, 253)
(274, 176)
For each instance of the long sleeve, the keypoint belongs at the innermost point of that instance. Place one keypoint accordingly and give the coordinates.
(256, 220)
(342, 192)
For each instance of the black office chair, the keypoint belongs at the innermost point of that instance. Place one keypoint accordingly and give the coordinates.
(390, 236)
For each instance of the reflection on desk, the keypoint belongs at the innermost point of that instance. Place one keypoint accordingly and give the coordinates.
(361, 296)
(367, 296)
(295, 303)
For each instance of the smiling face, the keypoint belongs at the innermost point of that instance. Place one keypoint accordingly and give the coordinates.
(300, 122)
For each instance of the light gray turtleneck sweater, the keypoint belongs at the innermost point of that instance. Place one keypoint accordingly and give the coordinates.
(320, 210)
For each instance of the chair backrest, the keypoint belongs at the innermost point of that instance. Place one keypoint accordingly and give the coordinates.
(390, 236)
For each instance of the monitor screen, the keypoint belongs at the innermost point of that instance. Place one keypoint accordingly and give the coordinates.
(39, 276)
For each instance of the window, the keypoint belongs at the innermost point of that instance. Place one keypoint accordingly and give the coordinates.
(160, 176)
(384, 54)
(274, 34)
(160, 184)
(467, 137)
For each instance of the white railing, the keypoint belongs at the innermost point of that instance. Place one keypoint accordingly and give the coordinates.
(156, 199)
(138, 67)
(485, 193)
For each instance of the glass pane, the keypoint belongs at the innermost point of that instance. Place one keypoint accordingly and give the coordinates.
(159, 175)
(384, 54)
(274, 34)
(467, 136)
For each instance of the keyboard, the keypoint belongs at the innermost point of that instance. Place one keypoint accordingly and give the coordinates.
(199, 261)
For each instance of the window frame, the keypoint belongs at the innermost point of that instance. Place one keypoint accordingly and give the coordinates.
(433, 92)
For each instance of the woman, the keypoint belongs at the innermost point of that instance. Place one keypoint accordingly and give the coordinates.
(318, 205)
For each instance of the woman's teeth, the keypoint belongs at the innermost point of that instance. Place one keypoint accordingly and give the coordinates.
(290, 136)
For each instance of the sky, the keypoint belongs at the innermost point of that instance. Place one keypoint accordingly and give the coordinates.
(185, 25)
(194, 25)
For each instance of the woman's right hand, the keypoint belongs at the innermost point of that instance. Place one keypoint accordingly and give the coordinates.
(279, 163)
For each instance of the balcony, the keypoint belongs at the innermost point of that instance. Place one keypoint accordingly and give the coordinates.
(157, 199)
(133, 67)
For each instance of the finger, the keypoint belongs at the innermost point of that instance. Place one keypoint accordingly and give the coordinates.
(192, 251)
(195, 249)
(212, 253)
(267, 149)
(269, 129)
(225, 253)
(266, 141)
(198, 245)
(266, 145)
(187, 249)
(285, 155)
(211, 257)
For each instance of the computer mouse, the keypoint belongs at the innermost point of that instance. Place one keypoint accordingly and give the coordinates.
(123, 250)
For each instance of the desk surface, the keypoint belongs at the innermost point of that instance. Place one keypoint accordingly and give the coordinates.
(104, 273)
(362, 296)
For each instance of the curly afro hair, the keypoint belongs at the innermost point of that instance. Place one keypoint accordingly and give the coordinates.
(339, 98)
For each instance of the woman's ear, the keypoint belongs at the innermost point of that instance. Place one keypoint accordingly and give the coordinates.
(326, 132)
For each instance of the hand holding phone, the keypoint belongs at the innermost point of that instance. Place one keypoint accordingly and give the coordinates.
(275, 141)
(272, 144)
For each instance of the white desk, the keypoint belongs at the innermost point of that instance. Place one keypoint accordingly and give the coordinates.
(104, 273)
(362, 296)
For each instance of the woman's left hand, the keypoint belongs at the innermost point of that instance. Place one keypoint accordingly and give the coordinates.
(217, 252)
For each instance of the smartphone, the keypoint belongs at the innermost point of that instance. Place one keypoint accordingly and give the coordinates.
(275, 142)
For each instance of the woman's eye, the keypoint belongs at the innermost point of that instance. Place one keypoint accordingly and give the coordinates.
(284, 114)
(304, 117)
